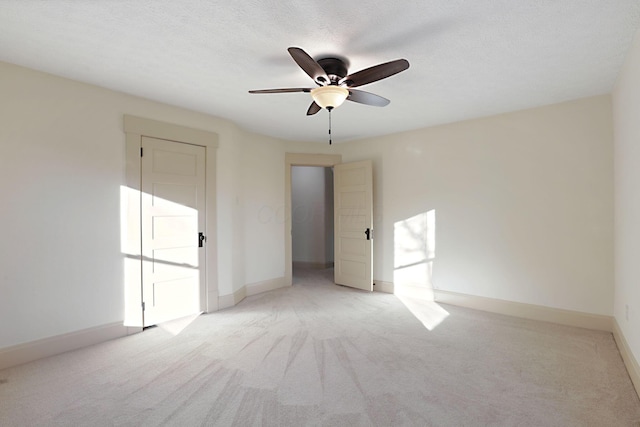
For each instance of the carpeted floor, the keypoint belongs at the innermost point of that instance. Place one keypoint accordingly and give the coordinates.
(323, 355)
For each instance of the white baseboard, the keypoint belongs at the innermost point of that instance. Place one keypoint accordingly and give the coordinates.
(381, 286)
(34, 350)
(312, 265)
(527, 311)
(212, 302)
(266, 285)
(226, 301)
(633, 368)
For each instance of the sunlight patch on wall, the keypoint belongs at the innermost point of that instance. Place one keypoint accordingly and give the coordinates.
(414, 244)
(414, 248)
(168, 261)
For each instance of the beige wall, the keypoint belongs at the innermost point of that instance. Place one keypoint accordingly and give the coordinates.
(523, 203)
(262, 207)
(626, 113)
(62, 164)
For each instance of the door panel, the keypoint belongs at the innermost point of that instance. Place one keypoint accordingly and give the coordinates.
(353, 200)
(172, 214)
(166, 195)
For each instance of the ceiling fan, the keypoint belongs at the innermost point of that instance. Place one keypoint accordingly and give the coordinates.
(335, 85)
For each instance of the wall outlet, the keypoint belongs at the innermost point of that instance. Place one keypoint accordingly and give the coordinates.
(626, 311)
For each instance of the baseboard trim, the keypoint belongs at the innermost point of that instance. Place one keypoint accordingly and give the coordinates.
(381, 286)
(527, 311)
(226, 301)
(266, 285)
(213, 299)
(312, 265)
(34, 350)
(630, 362)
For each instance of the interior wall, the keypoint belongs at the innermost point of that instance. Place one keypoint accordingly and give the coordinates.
(310, 206)
(626, 112)
(523, 203)
(262, 206)
(62, 165)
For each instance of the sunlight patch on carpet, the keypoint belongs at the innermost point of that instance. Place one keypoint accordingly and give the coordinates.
(174, 327)
(429, 313)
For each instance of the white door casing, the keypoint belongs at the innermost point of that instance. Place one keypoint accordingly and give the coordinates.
(353, 224)
(172, 215)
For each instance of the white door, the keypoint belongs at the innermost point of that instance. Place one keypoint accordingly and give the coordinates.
(353, 224)
(173, 215)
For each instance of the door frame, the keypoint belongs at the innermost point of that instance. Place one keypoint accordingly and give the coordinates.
(298, 159)
(135, 128)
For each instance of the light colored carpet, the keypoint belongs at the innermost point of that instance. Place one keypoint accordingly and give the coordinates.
(318, 354)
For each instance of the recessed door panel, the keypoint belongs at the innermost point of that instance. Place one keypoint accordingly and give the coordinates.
(354, 177)
(176, 262)
(175, 196)
(352, 199)
(174, 297)
(173, 161)
(352, 221)
(353, 247)
(353, 270)
(174, 230)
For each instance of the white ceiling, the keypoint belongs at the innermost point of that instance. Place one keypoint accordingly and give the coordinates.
(468, 58)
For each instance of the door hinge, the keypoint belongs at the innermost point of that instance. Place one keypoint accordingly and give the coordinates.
(141, 151)
(369, 233)
(142, 305)
(201, 239)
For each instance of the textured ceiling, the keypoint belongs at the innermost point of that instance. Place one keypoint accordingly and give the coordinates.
(468, 58)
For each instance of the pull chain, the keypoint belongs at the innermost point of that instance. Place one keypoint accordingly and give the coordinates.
(329, 109)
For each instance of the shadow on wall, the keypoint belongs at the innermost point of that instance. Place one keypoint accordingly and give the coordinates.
(414, 248)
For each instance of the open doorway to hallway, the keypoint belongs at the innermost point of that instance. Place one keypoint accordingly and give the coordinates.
(312, 232)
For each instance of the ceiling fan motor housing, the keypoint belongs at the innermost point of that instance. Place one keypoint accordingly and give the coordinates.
(335, 68)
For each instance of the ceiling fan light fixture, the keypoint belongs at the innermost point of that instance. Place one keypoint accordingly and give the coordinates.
(329, 97)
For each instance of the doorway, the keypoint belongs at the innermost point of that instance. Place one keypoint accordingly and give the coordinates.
(312, 232)
(291, 160)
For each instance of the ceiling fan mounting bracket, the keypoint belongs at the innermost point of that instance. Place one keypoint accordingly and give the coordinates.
(335, 68)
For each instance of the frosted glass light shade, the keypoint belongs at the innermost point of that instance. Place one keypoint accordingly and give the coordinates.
(329, 96)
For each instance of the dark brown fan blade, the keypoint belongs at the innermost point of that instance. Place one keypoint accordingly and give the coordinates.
(309, 65)
(313, 108)
(375, 73)
(286, 90)
(367, 98)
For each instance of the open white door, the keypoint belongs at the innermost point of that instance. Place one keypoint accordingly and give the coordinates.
(173, 215)
(353, 224)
